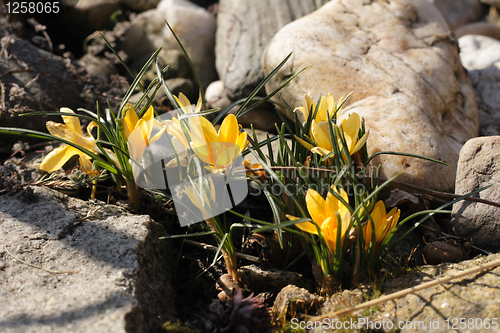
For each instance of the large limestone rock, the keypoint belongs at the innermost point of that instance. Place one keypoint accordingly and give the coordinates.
(479, 166)
(108, 271)
(243, 31)
(403, 67)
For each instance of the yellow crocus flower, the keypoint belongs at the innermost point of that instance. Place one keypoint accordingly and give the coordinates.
(384, 224)
(218, 148)
(71, 131)
(320, 131)
(323, 213)
(138, 131)
(326, 108)
(186, 105)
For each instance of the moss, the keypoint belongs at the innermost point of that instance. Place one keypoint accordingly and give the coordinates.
(178, 327)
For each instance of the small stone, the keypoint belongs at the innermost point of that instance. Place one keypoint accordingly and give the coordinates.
(297, 299)
(478, 166)
(486, 84)
(259, 280)
(478, 52)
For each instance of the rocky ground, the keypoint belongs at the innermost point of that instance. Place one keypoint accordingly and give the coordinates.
(424, 75)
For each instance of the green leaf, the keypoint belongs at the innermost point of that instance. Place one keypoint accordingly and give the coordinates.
(136, 82)
(202, 92)
(404, 154)
(196, 234)
(41, 135)
(167, 90)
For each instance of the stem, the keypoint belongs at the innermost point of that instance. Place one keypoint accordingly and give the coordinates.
(94, 189)
(231, 264)
(133, 195)
(227, 249)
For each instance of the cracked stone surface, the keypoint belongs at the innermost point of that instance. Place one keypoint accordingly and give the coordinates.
(479, 166)
(405, 74)
(109, 270)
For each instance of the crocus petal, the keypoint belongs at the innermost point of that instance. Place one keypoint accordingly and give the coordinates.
(203, 152)
(350, 126)
(360, 143)
(304, 226)
(175, 129)
(199, 104)
(149, 115)
(143, 128)
(309, 106)
(321, 135)
(331, 105)
(196, 200)
(184, 103)
(320, 151)
(228, 131)
(307, 227)
(137, 144)
(322, 114)
(335, 204)
(329, 231)
(114, 158)
(306, 144)
(86, 165)
(90, 127)
(64, 132)
(392, 221)
(225, 154)
(317, 207)
(58, 157)
(157, 135)
(378, 215)
(242, 141)
(129, 120)
(202, 131)
(73, 123)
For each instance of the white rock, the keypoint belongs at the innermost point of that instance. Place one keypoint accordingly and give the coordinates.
(404, 69)
(479, 166)
(486, 84)
(478, 52)
(193, 25)
(216, 95)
